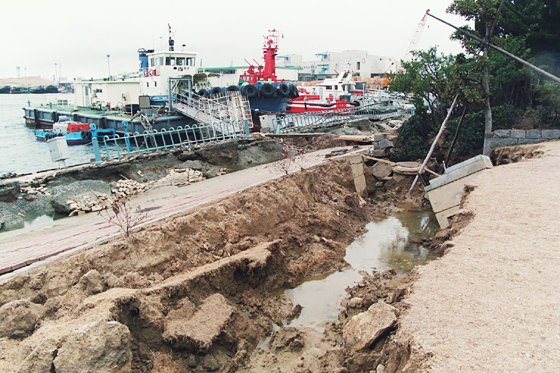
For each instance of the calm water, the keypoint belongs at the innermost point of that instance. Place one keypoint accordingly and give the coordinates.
(385, 246)
(20, 152)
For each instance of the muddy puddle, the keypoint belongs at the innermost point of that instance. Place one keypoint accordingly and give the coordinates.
(31, 220)
(386, 245)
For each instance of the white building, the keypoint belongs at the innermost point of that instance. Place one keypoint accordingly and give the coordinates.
(328, 64)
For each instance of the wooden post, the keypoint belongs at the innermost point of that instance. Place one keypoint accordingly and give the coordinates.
(434, 144)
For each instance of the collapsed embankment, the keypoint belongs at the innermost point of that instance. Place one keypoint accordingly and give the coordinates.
(194, 291)
(62, 191)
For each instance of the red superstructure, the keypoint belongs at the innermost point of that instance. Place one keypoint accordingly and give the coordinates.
(268, 72)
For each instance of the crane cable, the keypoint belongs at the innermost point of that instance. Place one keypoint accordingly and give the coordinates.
(551, 76)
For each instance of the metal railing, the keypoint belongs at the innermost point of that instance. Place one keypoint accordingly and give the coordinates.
(228, 106)
(53, 106)
(155, 141)
(313, 119)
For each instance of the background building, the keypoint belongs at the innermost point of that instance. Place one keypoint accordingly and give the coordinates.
(327, 64)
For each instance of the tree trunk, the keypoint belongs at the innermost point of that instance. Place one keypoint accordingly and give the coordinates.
(487, 107)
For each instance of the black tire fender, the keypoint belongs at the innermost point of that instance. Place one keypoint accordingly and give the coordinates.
(250, 91)
(267, 90)
(283, 90)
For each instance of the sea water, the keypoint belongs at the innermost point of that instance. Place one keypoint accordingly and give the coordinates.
(20, 152)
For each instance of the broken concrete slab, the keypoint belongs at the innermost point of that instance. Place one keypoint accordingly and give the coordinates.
(364, 329)
(198, 333)
(357, 165)
(445, 192)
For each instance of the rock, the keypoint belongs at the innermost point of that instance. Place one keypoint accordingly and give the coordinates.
(379, 153)
(259, 153)
(92, 282)
(194, 165)
(41, 358)
(355, 303)
(210, 363)
(224, 153)
(287, 338)
(9, 191)
(381, 170)
(211, 172)
(18, 318)
(9, 215)
(365, 328)
(76, 191)
(383, 144)
(198, 333)
(102, 346)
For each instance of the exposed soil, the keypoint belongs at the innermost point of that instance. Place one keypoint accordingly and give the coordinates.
(200, 290)
(243, 249)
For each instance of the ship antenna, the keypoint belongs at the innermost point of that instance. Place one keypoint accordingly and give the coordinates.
(171, 41)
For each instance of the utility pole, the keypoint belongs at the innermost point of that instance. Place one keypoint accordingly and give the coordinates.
(109, 66)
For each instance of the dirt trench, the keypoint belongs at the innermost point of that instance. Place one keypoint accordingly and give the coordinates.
(199, 291)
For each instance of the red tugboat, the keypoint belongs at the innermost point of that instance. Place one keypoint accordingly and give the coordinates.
(260, 85)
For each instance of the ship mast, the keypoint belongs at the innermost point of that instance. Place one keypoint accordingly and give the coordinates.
(171, 41)
(270, 50)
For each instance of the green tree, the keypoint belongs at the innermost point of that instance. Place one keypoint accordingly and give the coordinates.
(485, 15)
(428, 76)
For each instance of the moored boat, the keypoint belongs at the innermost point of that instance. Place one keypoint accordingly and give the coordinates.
(75, 133)
(260, 84)
(330, 94)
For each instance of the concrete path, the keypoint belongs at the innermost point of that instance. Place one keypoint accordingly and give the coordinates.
(23, 247)
(492, 302)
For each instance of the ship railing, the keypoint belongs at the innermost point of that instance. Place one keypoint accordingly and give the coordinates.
(188, 137)
(307, 121)
(63, 105)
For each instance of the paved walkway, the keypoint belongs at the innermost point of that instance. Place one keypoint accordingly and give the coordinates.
(492, 303)
(26, 246)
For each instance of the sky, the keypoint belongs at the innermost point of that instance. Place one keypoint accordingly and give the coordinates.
(73, 38)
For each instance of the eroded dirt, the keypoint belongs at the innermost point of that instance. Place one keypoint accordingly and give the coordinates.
(242, 249)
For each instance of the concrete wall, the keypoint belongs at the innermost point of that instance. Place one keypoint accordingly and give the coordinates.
(518, 137)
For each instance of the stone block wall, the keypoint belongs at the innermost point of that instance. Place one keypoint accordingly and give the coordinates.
(518, 137)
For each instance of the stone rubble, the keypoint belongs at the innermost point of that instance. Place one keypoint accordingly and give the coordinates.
(127, 188)
(30, 193)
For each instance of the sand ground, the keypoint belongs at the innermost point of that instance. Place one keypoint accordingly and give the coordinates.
(492, 302)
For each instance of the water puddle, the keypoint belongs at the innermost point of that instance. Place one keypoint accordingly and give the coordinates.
(31, 220)
(386, 245)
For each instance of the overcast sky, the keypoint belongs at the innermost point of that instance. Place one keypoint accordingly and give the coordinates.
(79, 35)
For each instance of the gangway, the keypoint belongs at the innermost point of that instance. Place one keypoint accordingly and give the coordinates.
(225, 107)
(318, 119)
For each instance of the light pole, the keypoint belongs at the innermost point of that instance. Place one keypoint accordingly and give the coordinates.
(25, 72)
(109, 66)
(55, 69)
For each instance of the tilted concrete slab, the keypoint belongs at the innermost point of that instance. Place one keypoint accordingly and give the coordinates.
(445, 192)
